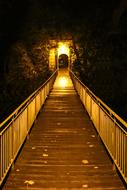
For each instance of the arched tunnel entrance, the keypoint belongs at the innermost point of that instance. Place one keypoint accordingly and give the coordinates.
(63, 61)
(63, 55)
(60, 54)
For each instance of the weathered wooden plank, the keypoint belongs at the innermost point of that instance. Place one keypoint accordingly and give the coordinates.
(63, 150)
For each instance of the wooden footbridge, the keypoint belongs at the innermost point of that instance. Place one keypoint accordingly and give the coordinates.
(68, 146)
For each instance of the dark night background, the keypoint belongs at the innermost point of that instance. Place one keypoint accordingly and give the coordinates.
(98, 29)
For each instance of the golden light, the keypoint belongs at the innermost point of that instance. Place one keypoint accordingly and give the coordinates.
(63, 81)
(63, 49)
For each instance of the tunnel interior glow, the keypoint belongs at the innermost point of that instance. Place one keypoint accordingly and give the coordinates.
(63, 49)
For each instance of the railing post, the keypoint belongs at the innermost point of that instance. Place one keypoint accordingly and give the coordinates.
(13, 138)
(126, 158)
(13, 135)
(111, 130)
(0, 157)
(27, 120)
(99, 117)
(91, 107)
(35, 106)
(114, 145)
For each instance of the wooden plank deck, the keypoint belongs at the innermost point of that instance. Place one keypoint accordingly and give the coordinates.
(63, 150)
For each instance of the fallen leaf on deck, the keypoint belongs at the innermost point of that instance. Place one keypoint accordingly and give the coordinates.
(58, 123)
(30, 182)
(85, 161)
(91, 145)
(85, 185)
(45, 155)
(33, 148)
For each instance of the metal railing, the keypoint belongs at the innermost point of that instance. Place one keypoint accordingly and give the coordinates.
(14, 130)
(110, 127)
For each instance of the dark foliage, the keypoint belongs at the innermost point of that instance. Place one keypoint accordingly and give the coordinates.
(99, 31)
(102, 64)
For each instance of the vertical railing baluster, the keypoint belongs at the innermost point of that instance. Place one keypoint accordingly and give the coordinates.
(0, 156)
(20, 123)
(111, 132)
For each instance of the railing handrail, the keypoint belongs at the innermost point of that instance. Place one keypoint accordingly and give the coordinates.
(25, 103)
(103, 105)
(111, 128)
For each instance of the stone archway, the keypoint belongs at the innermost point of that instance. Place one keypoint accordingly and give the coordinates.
(63, 55)
(52, 59)
(59, 54)
(63, 61)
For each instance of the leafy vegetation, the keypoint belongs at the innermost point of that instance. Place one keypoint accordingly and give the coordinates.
(102, 61)
(99, 32)
(25, 72)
